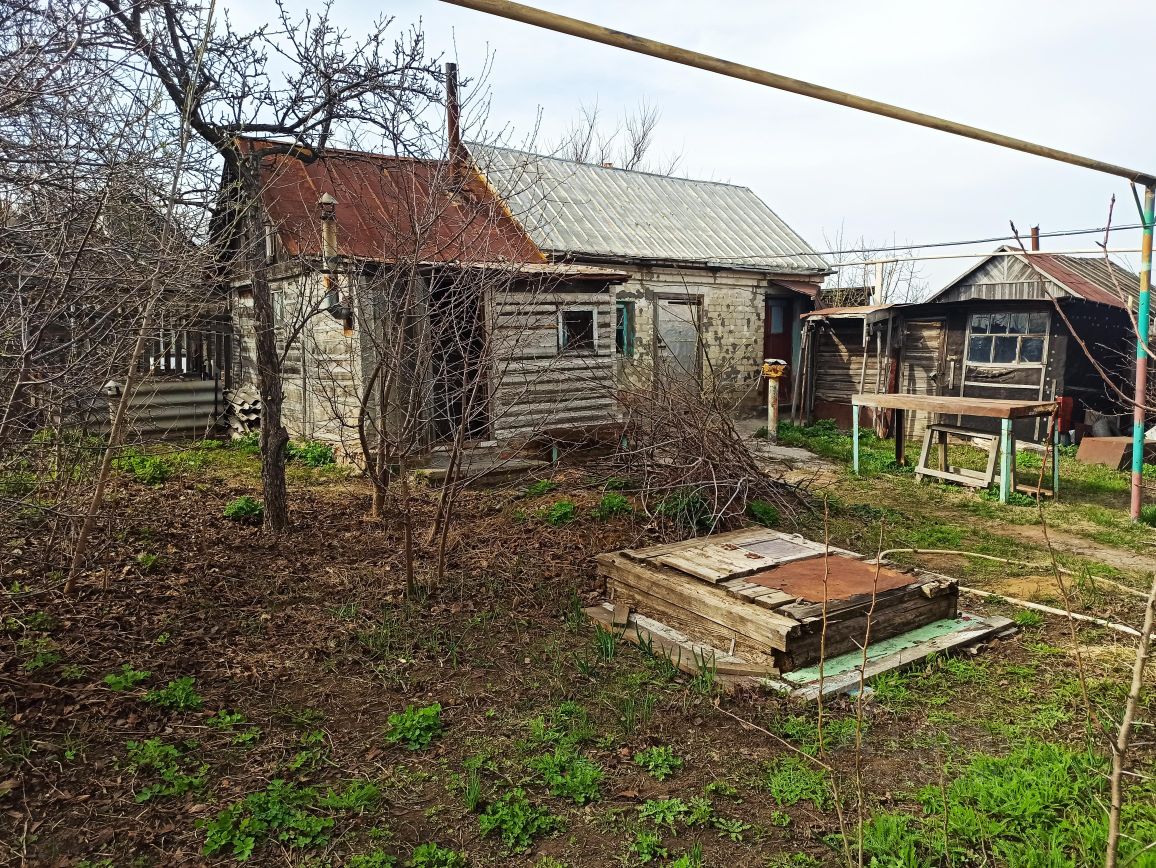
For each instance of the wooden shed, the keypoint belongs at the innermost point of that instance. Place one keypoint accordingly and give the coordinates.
(1017, 326)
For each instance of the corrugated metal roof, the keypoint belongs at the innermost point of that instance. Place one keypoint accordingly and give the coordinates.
(388, 208)
(573, 208)
(1089, 278)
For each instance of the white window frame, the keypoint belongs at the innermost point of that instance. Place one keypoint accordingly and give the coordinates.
(1042, 363)
(561, 328)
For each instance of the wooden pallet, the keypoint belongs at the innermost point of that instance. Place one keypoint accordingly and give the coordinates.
(723, 590)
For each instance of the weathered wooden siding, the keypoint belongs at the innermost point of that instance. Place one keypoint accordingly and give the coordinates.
(535, 387)
(1000, 278)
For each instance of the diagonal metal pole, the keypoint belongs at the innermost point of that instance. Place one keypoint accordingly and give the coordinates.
(686, 57)
(1143, 337)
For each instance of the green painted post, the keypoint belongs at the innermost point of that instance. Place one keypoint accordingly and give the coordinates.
(1006, 459)
(1143, 333)
(854, 437)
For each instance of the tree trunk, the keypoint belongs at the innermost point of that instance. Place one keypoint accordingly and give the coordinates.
(274, 437)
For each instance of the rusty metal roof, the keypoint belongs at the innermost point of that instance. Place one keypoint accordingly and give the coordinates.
(572, 208)
(388, 208)
(1092, 279)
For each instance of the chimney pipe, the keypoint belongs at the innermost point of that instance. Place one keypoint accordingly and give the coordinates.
(1035, 238)
(453, 118)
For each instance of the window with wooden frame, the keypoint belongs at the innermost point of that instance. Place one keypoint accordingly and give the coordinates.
(624, 328)
(1007, 338)
(577, 330)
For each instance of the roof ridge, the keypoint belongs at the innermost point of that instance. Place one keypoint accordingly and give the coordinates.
(607, 168)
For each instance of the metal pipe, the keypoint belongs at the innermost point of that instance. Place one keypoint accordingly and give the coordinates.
(664, 51)
(1143, 335)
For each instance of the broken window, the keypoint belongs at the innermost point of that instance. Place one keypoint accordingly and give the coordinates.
(576, 331)
(1007, 338)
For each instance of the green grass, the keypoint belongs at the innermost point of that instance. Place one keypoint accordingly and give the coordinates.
(1041, 805)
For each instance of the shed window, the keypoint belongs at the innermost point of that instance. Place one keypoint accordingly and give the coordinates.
(1007, 338)
(576, 331)
(624, 328)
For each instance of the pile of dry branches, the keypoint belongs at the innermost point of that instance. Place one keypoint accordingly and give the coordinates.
(680, 445)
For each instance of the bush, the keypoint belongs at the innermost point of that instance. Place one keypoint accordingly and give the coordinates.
(245, 509)
(311, 453)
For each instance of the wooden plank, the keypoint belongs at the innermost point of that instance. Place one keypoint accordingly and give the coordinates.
(682, 651)
(621, 616)
(733, 537)
(760, 595)
(669, 593)
(994, 408)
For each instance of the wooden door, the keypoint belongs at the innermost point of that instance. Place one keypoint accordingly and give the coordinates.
(921, 366)
(677, 339)
(777, 340)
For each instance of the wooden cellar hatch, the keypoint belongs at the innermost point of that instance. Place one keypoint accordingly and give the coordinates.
(762, 603)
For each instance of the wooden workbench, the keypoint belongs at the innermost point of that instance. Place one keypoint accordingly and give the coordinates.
(992, 408)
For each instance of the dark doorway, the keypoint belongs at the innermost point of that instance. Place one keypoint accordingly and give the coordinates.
(777, 338)
(460, 393)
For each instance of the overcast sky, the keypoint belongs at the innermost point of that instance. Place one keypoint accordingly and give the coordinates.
(1067, 74)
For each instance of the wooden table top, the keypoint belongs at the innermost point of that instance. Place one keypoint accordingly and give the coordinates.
(996, 408)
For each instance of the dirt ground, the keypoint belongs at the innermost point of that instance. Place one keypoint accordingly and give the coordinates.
(308, 645)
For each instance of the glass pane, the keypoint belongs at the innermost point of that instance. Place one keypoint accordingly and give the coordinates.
(999, 323)
(1005, 350)
(1031, 349)
(979, 323)
(776, 319)
(577, 330)
(1017, 323)
(979, 349)
(1038, 323)
(620, 329)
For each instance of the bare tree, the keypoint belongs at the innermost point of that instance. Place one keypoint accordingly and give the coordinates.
(627, 144)
(323, 88)
(863, 270)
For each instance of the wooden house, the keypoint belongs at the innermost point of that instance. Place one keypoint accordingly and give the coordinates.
(513, 343)
(1017, 325)
(717, 281)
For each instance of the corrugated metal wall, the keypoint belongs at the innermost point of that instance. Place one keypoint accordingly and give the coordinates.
(171, 409)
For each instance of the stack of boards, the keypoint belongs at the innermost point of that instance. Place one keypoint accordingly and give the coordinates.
(775, 602)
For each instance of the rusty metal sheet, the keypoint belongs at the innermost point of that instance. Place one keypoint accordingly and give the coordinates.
(1114, 452)
(848, 578)
(388, 208)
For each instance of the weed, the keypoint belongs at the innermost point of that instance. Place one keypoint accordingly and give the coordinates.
(688, 508)
(605, 641)
(705, 676)
(177, 695)
(148, 562)
(245, 510)
(145, 469)
(539, 488)
(700, 812)
(559, 513)
(356, 796)
(806, 860)
(612, 505)
(432, 856)
(791, 780)
(1148, 515)
(515, 820)
(647, 846)
(804, 731)
(663, 812)
(223, 719)
(1014, 498)
(473, 789)
(550, 862)
(126, 679)
(660, 762)
(568, 774)
(617, 483)
(762, 433)
(247, 444)
(890, 690)
(281, 812)
(635, 708)
(41, 652)
(163, 761)
(1028, 618)
(731, 829)
(779, 818)
(763, 513)
(314, 746)
(721, 788)
(415, 727)
(311, 453)
(692, 858)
